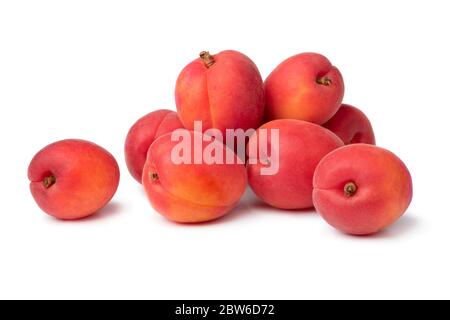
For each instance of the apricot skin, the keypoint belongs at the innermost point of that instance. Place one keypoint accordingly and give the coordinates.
(229, 94)
(304, 87)
(85, 178)
(301, 146)
(383, 189)
(351, 125)
(191, 193)
(143, 133)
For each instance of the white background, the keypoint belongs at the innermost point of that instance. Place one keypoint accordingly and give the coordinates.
(89, 69)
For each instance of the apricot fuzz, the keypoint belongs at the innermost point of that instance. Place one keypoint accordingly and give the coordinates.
(191, 192)
(304, 87)
(224, 91)
(379, 191)
(73, 179)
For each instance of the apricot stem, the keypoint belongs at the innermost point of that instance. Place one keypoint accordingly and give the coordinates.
(324, 81)
(350, 189)
(49, 181)
(154, 176)
(207, 58)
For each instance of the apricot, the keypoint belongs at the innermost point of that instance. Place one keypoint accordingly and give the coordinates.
(73, 179)
(192, 190)
(304, 87)
(143, 133)
(361, 189)
(351, 125)
(223, 91)
(297, 151)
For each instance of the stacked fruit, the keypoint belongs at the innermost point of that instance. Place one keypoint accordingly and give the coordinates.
(309, 150)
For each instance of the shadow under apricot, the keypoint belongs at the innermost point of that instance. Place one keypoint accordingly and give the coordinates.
(250, 205)
(108, 211)
(402, 227)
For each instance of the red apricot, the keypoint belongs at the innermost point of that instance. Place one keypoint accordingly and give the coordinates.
(72, 179)
(361, 189)
(299, 148)
(184, 185)
(143, 133)
(224, 91)
(351, 125)
(304, 87)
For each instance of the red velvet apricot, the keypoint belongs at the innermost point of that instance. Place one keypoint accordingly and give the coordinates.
(190, 191)
(143, 133)
(300, 147)
(224, 91)
(73, 179)
(304, 87)
(351, 125)
(361, 189)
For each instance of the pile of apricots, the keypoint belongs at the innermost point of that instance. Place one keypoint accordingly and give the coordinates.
(325, 151)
